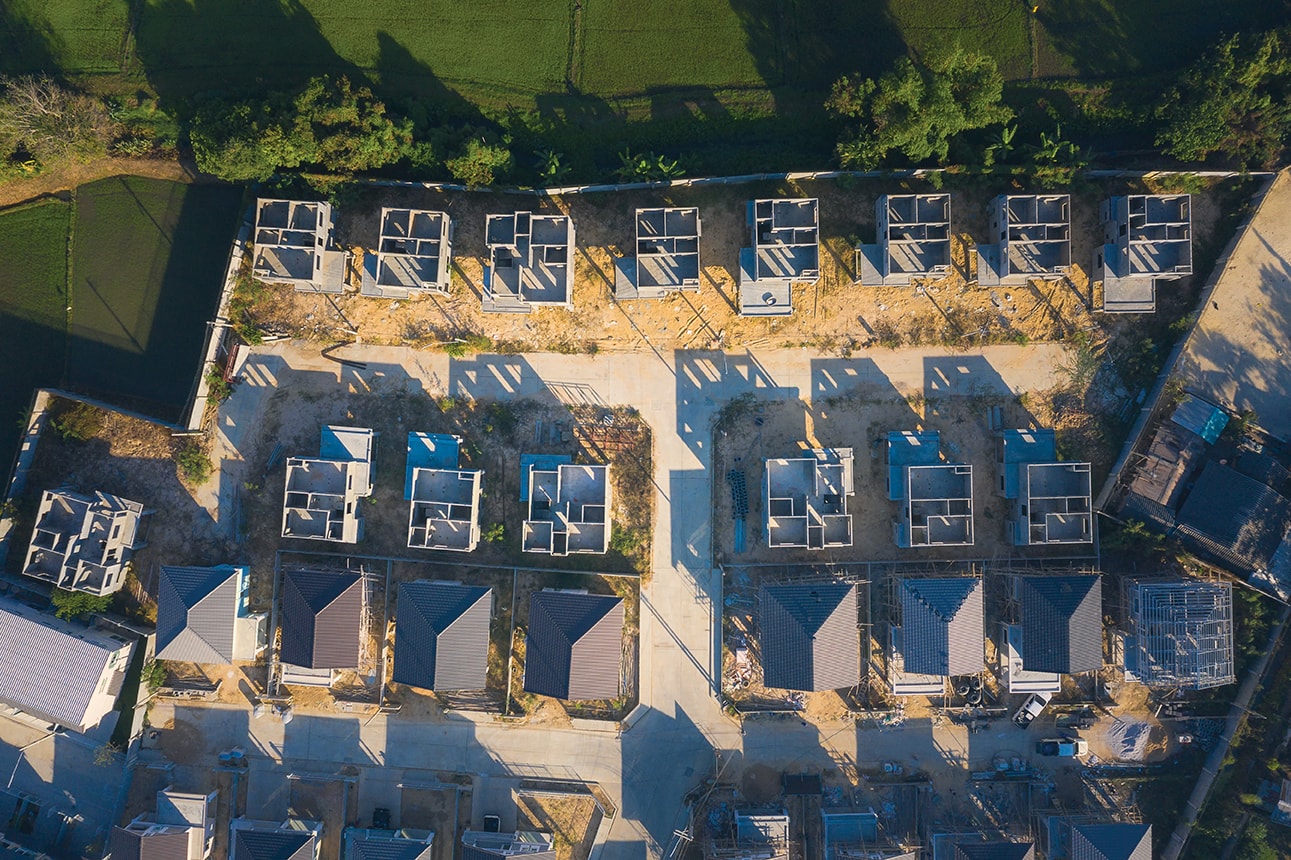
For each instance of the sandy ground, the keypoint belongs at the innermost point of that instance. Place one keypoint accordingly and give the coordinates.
(69, 176)
(834, 313)
(566, 817)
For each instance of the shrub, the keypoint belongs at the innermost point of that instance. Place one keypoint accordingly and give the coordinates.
(154, 674)
(79, 423)
(480, 164)
(194, 466)
(217, 387)
(495, 533)
(72, 604)
(50, 122)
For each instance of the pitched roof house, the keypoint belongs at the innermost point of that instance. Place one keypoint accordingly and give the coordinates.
(71, 675)
(574, 647)
(441, 639)
(1120, 841)
(203, 616)
(943, 620)
(1062, 623)
(809, 636)
(322, 618)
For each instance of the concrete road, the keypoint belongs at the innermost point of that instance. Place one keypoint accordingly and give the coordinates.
(1237, 355)
(649, 768)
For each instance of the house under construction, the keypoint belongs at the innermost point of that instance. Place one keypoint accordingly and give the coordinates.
(1180, 633)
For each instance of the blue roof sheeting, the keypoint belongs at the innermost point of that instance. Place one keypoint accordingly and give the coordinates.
(541, 462)
(910, 448)
(430, 451)
(1204, 419)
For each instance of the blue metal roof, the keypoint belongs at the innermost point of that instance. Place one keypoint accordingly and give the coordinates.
(430, 451)
(1021, 447)
(909, 448)
(541, 462)
(1204, 419)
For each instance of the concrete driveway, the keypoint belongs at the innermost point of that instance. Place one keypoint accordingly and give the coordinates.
(670, 746)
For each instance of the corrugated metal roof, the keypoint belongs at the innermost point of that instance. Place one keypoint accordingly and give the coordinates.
(131, 845)
(809, 636)
(196, 608)
(1246, 520)
(994, 851)
(360, 845)
(1205, 419)
(1062, 623)
(574, 648)
(441, 639)
(54, 666)
(474, 852)
(322, 618)
(1111, 842)
(273, 845)
(943, 625)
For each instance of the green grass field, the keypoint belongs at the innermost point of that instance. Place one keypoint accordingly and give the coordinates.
(147, 265)
(33, 308)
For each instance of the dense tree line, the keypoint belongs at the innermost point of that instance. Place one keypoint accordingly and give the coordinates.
(1232, 108)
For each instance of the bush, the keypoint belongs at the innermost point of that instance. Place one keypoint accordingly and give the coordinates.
(495, 533)
(194, 466)
(73, 604)
(79, 423)
(154, 674)
(51, 123)
(217, 387)
(480, 164)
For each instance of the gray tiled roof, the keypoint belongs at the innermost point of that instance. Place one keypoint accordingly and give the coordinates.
(574, 649)
(322, 615)
(474, 852)
(273, 845)
(58, 665)
(441, 639)
(994, 851)
(809, 636)
(1111, 842)
(1236, 519)
(130, 845)
(943, 625)
(360, 848)
(196, 608)
(1062, 623)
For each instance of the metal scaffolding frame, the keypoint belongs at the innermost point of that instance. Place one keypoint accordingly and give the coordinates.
(1183, 631)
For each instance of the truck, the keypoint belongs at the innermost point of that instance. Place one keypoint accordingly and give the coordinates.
(1031, 708)
(1062, 747)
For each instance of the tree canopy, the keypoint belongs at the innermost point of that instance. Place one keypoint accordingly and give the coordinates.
(1235, 101)
(916, 110)
(329, 124)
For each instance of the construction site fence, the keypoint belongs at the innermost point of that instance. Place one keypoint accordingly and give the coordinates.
(790, 176)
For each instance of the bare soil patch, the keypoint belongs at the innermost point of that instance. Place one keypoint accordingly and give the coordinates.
(571, 820)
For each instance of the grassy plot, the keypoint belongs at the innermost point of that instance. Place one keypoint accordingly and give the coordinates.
(184, 46)
(69, 36)
(33, 308)
(147, 269)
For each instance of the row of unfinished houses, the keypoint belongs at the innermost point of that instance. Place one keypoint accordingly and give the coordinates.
(530, 256)
(181, 826)
(1169, 632)
(856, 833)
(568, 504)
(805, 498)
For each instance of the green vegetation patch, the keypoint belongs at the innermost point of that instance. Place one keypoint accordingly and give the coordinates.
(69, 36)
(33, 308)
(521, 47)
(147, 270)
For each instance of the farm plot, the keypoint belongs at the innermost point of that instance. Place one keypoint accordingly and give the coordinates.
(33, 307)
(69, 36)
(147, 266)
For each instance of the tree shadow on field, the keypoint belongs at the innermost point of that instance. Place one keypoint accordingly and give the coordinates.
(413, 86)
(808, 46)
(26, 46)
(188, 46)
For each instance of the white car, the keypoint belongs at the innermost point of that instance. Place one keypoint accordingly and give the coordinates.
(1031, 708)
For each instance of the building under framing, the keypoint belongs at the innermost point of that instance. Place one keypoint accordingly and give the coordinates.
(444, 501)
(913, 241)
(414, 253)
(293, 246)
(667, 255)
(805, 500)
(84, 543)
(1147, 238)
(1051, 498)
(530, 262)
(1180, 632)
(1031, 239)
(569, 507)
(785, 251)
(322, 493)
